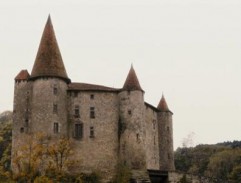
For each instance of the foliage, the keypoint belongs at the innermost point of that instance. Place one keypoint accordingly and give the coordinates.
(123, 174)
(219, 163)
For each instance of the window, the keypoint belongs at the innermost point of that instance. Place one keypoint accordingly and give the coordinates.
(92, 112)
(154, 124)
(76, 111)
(21, 129)
(129, 112)
(55, 108)
(26, 122)
(168, 129)
(92, 132)
(78, 130)
(55, 90)
(92, 96)
(56, 128)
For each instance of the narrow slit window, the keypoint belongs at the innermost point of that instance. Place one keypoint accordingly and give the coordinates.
(92, 133)
(56, 128)
(55, 108)
(76, 111)
(92, 112)
(92, 96)
(55, 90)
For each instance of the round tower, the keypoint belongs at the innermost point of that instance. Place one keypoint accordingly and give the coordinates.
(165, 130)
(49, 86)
(21, 107)
(131, 123)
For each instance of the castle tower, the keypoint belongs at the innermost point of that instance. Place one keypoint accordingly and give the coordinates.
(132, 134)
(49, 84)
(21, 108)
(164, 118)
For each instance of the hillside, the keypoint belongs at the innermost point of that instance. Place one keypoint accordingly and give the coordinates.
(220, 162)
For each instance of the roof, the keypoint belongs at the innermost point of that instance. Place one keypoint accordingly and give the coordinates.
(90, 87)
(162, 106)
(132, 82)
(48, 61)
(22, 75)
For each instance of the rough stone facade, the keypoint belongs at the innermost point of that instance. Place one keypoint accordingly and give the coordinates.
(106, 126)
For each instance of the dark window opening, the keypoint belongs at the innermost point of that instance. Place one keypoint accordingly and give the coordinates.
(78, 130)
(26, 122)
(137, 137)
(76, 111)
(92, 112)
(56, 128)
(92, 132)
(169, 157)
(129, 112)
(92, 96)
(55, 90)
(168, 129)
(154, 124)
(55, 108)
(22, 129)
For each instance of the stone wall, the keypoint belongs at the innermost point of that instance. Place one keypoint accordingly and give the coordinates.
(152, 145)
(49, 107)
(97, 151)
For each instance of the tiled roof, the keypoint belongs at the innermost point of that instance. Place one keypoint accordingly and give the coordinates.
(162, 106)
(90, 87)
(22, 75)
(48, 61)
(132, 82)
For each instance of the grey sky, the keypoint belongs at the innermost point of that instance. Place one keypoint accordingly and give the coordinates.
(188, 49)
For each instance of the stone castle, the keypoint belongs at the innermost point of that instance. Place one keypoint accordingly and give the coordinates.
(105, 125)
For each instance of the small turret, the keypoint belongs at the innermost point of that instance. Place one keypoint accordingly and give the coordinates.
(165, 131)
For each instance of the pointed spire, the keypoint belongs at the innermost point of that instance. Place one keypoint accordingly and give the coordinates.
(48, 61)
(132, 82)
(162, 106)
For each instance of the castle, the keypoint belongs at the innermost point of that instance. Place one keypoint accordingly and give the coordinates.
(106, 125)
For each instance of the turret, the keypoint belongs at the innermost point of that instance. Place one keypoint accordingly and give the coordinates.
(49, 86)
(165, 130)
(131, 127)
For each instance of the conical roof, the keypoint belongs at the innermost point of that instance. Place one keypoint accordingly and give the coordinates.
(132, 82)
(22, 75)
(162, 106)
(48, 61)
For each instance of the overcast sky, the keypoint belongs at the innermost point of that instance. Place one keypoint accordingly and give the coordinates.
(188, 49)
